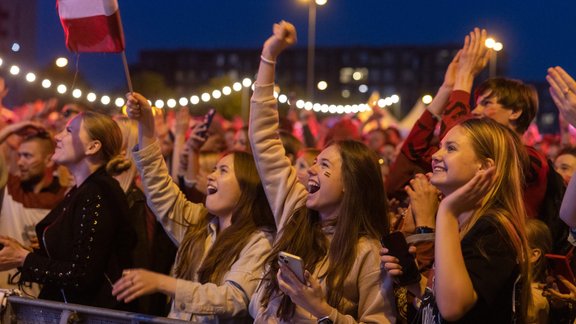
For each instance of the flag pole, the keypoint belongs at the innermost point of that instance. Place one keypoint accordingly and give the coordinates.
(124, 60)
(127, 72)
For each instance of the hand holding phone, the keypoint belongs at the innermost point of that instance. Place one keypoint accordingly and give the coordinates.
(207, 121)
(397, 247)
(560, 265)
(294, 263)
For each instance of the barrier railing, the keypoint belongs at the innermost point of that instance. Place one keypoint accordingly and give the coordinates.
(21, 310)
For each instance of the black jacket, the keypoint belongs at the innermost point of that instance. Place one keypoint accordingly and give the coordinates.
(85, 243)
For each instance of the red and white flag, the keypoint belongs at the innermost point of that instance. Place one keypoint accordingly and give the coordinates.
(91, 25)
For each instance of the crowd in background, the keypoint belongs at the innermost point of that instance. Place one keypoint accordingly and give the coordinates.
(170, 213)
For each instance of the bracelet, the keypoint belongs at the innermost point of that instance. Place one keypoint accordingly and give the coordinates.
(324, 320)
(265, 60)
(257, 85)
(190, 183)
(424, 230)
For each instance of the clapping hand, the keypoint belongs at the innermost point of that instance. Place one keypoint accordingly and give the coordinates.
(563, 92)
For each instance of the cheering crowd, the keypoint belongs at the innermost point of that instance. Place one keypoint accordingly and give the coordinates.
(288, 220)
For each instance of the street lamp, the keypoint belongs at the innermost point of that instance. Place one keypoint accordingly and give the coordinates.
(311, 44)
(496, 47)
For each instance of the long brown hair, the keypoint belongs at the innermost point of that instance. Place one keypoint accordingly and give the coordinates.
(503, 202)
(252, 213)
(363, 214)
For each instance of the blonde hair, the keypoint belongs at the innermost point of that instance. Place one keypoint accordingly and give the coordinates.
(503, 202)
(129, 129)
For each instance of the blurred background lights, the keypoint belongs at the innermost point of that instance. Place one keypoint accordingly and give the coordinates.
(171, 103)
(91, 97)
(119, 102)
(427, 99)
(30, 77)
(14, 70)
(105, 100)
(61, 89)
(61, 62)
(183, 101)
(159, 104)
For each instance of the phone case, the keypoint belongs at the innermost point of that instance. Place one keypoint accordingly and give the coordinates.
(208, 121)
(397, 247)
(560, 265)
(293, 262)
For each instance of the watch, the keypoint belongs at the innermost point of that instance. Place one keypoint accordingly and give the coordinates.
(325, 320)
(424, 230)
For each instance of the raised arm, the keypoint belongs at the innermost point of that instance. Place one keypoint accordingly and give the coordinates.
(279, 179)
(473, 59)
(563, 92)
(453, 286)
(436, 107)
(164, 198)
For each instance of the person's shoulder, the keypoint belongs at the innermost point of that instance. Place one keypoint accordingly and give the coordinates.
(103, 184)
(367, 245)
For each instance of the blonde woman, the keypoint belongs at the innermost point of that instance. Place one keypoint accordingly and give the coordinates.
(481, 268)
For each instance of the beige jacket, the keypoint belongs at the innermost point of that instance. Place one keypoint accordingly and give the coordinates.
(226, 302)
(363, 300)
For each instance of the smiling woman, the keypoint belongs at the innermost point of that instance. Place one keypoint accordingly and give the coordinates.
(221, 247)
(481, 253)
(333, 222)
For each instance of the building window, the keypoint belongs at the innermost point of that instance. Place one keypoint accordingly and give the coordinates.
(346, 75)
(407, 75)
(233, 59)
(220, 60)
(388, 58)
(388, 76)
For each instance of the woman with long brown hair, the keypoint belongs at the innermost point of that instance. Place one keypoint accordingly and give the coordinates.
(333, 224)
(222, 247)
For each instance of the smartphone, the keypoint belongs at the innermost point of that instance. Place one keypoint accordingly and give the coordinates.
(560, 265)
(207, 121)
(294, 263)
(397, 247)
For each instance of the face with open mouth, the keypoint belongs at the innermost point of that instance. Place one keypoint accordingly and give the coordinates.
(325, 186)
(223, 190)
(455, 163)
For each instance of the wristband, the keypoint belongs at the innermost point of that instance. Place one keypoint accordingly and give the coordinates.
(265, 60)
(424, 230)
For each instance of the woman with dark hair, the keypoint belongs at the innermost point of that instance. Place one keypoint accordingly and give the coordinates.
(85, 241)
(334, 224)
(222, 247)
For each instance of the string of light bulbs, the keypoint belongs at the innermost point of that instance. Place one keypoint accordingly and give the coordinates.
(194, 99)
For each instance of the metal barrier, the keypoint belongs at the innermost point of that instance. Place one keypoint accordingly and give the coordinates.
(21, 310)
